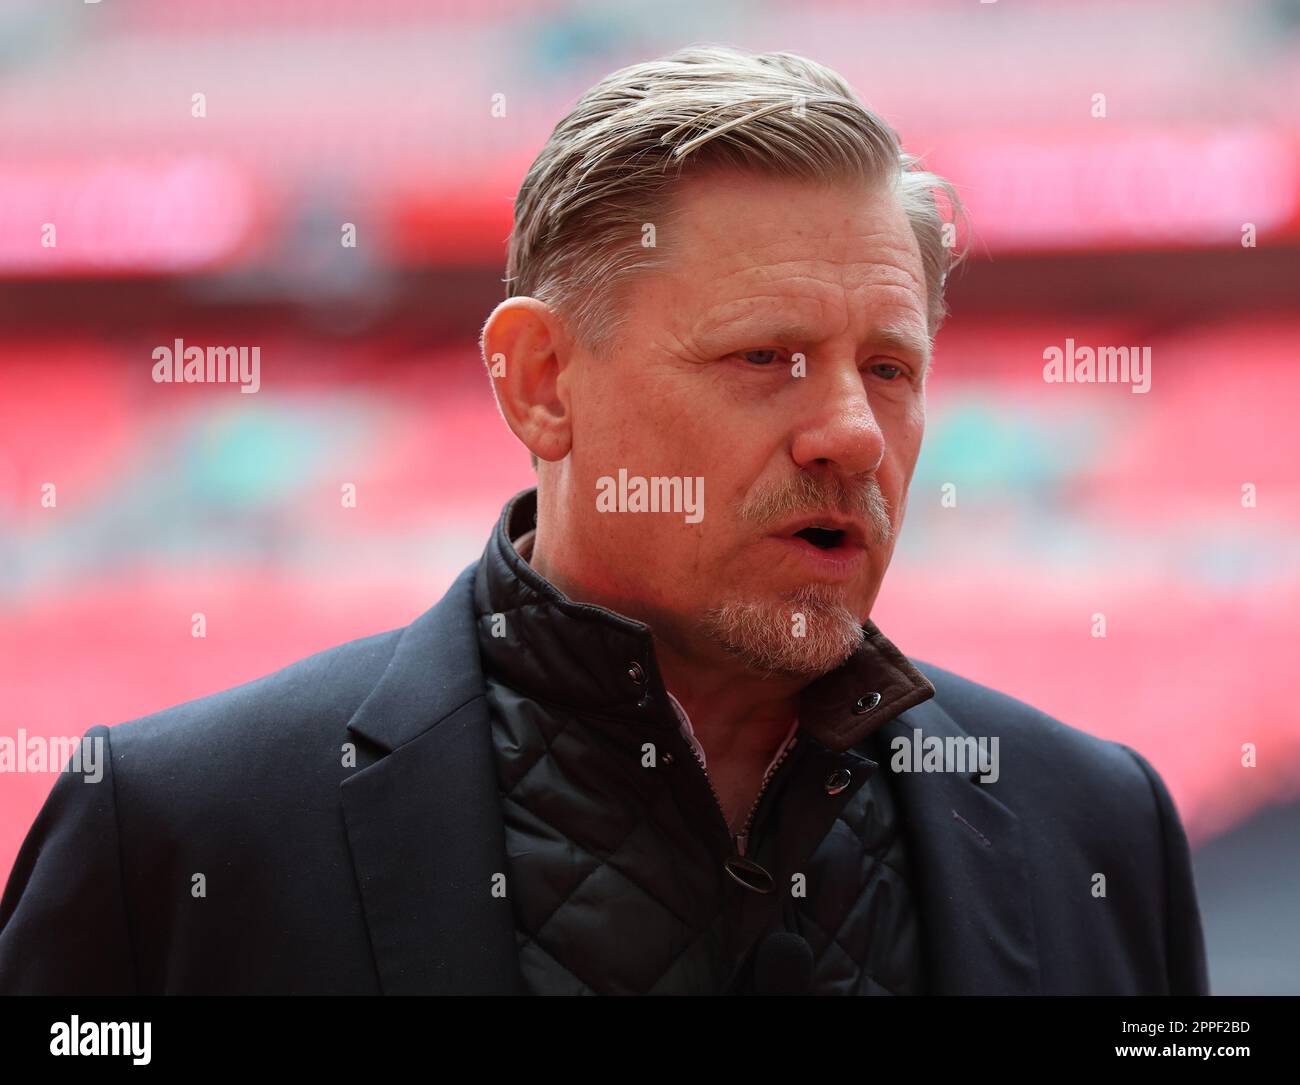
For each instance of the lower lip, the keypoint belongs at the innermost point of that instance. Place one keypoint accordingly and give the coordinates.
(839, 563)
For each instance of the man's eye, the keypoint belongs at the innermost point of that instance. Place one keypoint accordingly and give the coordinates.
(887, 370)
(760, 359)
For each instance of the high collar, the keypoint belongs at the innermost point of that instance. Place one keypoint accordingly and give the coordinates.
(591, 659)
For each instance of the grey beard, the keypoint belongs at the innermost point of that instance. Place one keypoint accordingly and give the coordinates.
(770, 637)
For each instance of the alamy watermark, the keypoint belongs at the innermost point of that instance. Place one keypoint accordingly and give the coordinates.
(951, 753)
(39, 753)
(179, 364)
(1073, 364)
(658, 493)
(78, 1037)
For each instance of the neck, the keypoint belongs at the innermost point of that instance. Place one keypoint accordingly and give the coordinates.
(739, 716)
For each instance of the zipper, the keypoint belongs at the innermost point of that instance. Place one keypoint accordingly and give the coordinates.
(742, 838)
(717, 802)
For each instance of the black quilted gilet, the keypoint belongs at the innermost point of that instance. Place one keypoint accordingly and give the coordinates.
(617, 852)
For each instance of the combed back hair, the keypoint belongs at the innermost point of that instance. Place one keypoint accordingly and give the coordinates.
(609, 168)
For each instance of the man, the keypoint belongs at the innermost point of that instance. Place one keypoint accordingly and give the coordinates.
(651, 742)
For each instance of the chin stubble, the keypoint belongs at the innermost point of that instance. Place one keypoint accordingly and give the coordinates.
(809, 631)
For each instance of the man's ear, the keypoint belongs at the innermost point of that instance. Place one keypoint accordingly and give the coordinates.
(527, 354)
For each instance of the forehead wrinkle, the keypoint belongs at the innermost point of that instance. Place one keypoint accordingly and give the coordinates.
(758, 308)
(771, 311)
(895, 334)
(848, 277)
(884, 250)
(885, 241)
(750, 280)
(774, 296)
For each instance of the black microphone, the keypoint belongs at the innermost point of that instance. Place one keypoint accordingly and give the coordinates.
(783, 965)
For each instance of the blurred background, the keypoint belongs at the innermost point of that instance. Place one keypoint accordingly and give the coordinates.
(1171, 222)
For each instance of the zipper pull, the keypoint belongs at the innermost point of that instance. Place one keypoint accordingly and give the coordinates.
(740, 843)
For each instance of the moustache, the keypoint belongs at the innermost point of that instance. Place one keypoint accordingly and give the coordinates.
(807, 494)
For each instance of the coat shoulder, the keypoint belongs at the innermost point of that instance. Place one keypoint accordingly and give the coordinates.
(1038, 751)
(297, 711)
(983, 711)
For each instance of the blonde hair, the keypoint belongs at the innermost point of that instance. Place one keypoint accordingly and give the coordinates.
(609, 167)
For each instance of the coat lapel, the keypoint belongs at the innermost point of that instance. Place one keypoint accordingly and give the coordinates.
(424, 821)
(977, 919)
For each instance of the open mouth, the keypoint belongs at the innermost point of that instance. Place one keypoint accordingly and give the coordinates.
(823, 538)
(829, 548)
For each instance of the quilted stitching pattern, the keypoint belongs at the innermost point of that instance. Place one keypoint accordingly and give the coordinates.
(615, 890)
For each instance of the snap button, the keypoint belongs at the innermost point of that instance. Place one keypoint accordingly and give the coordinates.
(749, 874)
(666, 760)
(636, 673)
(837, 781)
(865, 703)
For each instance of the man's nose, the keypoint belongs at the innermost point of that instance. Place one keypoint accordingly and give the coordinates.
(841, 429)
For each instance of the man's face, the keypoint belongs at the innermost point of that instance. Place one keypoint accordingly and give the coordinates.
(706, 381)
